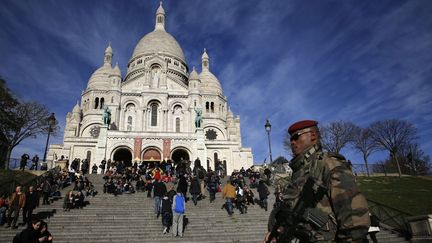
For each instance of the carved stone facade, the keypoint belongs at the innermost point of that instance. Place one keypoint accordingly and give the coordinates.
(153, 110)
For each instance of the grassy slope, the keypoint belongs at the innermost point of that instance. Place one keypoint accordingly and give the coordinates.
(409, 194)
(20, 176)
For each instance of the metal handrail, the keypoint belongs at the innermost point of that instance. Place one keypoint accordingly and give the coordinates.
(390, 216)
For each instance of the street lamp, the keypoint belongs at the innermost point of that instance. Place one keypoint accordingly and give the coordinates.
(51, 122)
(268, 129)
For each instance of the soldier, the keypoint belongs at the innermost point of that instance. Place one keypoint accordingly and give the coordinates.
(322, 202)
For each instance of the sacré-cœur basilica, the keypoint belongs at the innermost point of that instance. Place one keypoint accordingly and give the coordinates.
(157, 111)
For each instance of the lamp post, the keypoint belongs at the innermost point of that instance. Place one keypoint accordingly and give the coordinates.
(51, 122)
(268, 129)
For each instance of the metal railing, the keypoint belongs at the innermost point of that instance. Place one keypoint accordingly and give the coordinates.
(396, 219)
(14, 163)
(374, 169)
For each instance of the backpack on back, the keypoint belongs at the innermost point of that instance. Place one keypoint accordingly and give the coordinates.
(179, 204)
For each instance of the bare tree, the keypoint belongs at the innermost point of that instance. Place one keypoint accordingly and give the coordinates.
(413, 159)
(29, 120)
(7, 104)
(393, 135)
(337, 135)
(365, 144)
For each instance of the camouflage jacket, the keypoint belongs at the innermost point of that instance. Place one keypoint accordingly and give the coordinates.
(343, 205)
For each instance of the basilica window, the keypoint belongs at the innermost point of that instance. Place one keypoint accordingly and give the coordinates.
(102, 101)
(212, 107)
(129, 123)
(154, 108)
(177, 124)
(211, 134)
(194, 102)
(159, 19)
(112, 99)
(139, 61)
(88, 157)
(207, 107)
(176, 63)
(130, 107)
(96, 103)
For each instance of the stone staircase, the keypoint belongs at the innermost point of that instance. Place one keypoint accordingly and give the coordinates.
(130, 218)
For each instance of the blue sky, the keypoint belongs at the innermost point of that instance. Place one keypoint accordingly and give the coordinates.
(285, 60)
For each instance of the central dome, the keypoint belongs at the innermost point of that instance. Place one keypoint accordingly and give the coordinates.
(158, 41)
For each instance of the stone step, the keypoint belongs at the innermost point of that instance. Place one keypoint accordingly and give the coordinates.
(131, 218)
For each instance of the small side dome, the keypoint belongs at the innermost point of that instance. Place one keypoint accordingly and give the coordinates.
(193, 75)
(209, 83)
(76, 108)
(116, 70)
(100, 78)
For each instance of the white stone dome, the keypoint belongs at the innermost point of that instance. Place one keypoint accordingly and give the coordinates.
(100, 78)
(209, 83)
(116, 70)
(76, 109)
(159, 41)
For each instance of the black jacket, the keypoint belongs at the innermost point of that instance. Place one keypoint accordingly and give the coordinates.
(195, 187)
(159, 189)
(183, 185)
(32, 200)
(262, 191)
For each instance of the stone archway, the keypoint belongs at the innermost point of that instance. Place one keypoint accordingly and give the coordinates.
(178, 154)
(151, 154)
(123, 154)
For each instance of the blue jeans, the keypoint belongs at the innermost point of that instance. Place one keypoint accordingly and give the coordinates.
(3, 215)
(195, 198)
(157, 205)
(229, 205)
(264, 203)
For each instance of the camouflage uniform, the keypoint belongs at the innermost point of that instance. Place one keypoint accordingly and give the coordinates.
(343, 205)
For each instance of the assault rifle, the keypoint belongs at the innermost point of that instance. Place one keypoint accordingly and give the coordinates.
(303, 212)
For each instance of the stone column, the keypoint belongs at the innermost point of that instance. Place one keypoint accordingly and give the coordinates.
(101, 146)
(166, 148)
(137, 149)
(200, 148)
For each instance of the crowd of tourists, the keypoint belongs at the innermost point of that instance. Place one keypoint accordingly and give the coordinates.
(24, 200)
(172, 185)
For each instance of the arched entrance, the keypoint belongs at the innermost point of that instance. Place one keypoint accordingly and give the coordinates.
(179, 154)
(151, 156)
(123, 154)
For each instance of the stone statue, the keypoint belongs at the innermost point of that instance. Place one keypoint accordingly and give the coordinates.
(198, 117)
(106, 117)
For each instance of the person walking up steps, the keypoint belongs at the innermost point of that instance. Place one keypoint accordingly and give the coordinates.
(178, 213)
(166, 207)
(229, 195)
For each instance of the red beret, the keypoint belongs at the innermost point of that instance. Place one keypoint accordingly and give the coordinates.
(301, 125)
